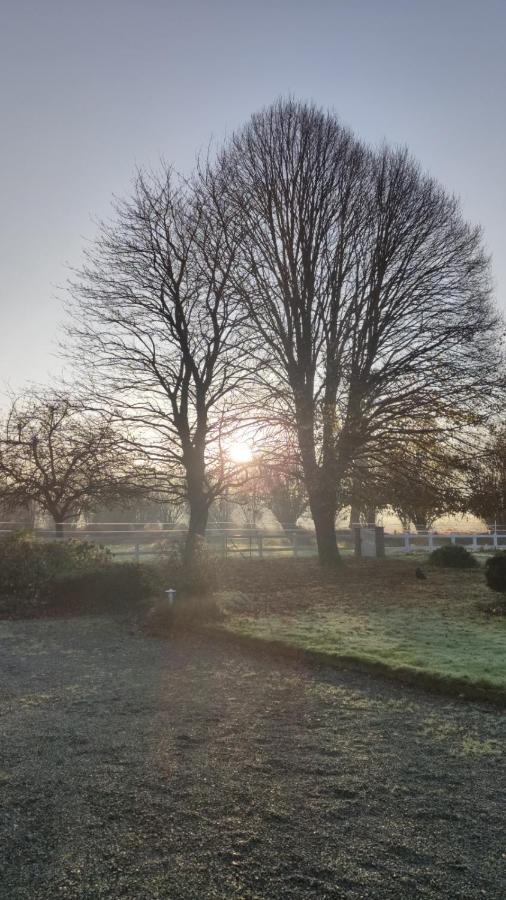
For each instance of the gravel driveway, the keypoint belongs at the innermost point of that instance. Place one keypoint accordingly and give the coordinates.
(142, 768)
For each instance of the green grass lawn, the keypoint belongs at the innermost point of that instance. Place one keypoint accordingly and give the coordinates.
(376, 613)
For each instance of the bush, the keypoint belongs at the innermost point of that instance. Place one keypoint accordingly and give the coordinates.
(69, 575)
(79, 575)
(28, 566)
(194, 585)
(113, 587)
(495, 572)
(184, 614)
(198, 580)
(453, 556)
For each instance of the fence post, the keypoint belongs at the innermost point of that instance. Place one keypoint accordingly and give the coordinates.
(495, 540)
(295, 544)
(431, 541)
(475, 541)
(452, 538)
(137, 553)
(407, 546)
(260, 544)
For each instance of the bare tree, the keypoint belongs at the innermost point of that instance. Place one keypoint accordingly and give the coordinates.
(367, 293)
(419, 483)
(60, 459)
(155, 323)
(281, 477)
(487, 481)
(285, 495)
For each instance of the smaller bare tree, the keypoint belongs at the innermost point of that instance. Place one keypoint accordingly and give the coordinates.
(420, 481)
(154, 321)
(487, 481)
(63, 460)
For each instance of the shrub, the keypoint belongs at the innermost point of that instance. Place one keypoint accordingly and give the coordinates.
(81, 576)
(71, 555)
(110, 587)
(495, 572)
(186, 613)
(453, 556)
(200, 579)
(27, 566)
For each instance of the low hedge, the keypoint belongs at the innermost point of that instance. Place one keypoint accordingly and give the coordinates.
(73, 576)
(113, 587)
(495, 572)
(453, 556)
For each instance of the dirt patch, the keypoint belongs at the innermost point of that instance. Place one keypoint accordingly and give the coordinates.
(139, 768)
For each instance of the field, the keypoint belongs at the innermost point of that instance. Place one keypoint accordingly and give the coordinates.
(376, 614)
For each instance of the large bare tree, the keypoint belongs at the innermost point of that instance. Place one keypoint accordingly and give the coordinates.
(155, 326)
(367, 294)
(63, 460)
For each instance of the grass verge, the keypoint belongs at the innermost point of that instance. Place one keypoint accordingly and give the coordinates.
(377, 617)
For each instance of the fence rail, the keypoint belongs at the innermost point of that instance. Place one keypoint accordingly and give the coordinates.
(129, 541)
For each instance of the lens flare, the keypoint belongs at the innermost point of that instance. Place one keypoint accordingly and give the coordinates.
(240, 452)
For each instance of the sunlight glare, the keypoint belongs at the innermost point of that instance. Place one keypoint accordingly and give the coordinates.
(240, 452)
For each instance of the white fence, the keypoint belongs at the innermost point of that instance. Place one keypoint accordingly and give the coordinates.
(428, 541)
(134, 541)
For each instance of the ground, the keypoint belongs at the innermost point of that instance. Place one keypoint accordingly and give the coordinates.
(378, 613)
(141, 767)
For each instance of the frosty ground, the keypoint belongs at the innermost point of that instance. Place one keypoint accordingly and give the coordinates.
(142, 767)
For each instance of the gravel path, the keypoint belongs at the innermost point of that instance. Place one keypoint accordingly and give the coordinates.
(141, 768)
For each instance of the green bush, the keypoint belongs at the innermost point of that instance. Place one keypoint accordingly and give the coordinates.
(200, 579)
(186, 613)
(453, 556)
(495, 572)
(78, 575)
(28, 566)
(110, 587)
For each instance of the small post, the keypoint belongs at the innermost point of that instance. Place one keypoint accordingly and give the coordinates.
(496, 544)
(406, 542)
(475, 541)
(295, 544)
(430, 537)
(260, 544)
(171, 596)
(453, 538)
(137, 553)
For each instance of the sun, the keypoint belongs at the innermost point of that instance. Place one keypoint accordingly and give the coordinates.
(240, 452)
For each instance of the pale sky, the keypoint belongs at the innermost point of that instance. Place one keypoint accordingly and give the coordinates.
(89, 89)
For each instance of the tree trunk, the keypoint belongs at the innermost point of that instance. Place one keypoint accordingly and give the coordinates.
(370, 515)
(323, 506)
(321, 484)
(324, 522)
(197, 502)
(199, 513)
(354, 514)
